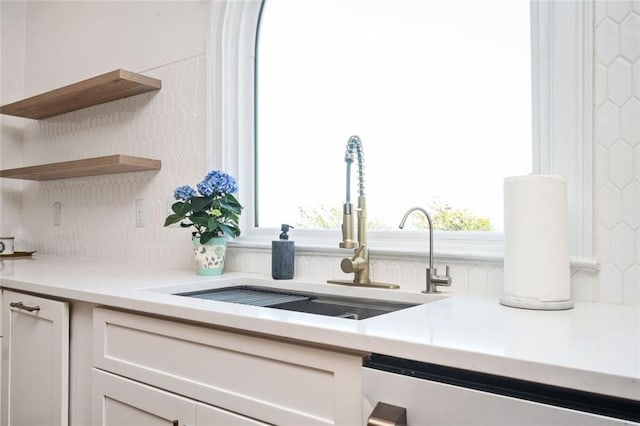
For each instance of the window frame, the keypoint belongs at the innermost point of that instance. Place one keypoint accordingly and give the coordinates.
(562, 51)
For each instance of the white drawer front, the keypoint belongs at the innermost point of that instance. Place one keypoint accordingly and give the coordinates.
(277, 382)
(118, 401)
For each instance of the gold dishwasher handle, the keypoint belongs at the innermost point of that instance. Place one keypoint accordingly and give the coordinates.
(387, 415)
(20, 305)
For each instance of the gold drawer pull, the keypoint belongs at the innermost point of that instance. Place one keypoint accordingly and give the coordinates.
(387, 415)
(20, 305)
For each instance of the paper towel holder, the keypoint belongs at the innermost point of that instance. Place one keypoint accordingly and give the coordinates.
(536, 249)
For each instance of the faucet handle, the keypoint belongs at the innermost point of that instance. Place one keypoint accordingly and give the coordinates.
(442, 280)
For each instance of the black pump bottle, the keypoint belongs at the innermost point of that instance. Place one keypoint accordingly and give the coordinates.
(283, 255)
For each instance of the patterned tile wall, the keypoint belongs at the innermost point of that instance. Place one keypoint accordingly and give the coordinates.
(484, 278)
(11, 87)
(11, 195)
(617, 152)
(98, 214)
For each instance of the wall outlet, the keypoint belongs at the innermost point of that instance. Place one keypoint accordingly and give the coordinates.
(140, 213)
(57, 213)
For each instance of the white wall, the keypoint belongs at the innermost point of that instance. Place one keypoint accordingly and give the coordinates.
(12, 49)
(69, 41)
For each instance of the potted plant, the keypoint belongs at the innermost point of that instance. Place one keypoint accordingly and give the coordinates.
(213, 211)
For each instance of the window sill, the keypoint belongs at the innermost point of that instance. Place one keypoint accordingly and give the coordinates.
(461, 250)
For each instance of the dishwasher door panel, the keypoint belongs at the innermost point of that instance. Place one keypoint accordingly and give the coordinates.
(433, 403)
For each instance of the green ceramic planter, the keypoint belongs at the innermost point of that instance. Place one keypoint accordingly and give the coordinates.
(210, 256)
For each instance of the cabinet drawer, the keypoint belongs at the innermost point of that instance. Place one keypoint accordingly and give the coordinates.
(118, 401)
(277, 382)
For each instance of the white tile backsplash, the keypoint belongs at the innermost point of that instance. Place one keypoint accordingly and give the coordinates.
(621, 164)
(619, 81)
(609, 206)
(636, 80)
(607, 41)
(630, 125)
(98, 212)
(623, 246)
(630, 37)
(619, 10)
(607, 124)
(617, 124)
(631, 205)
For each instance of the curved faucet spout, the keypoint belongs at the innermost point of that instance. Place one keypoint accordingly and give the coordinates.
(423, 211)
(433, 279)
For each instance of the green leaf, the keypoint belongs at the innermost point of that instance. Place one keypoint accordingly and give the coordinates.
(199, 204)
(202, 220)
(173, 218)
(181, 208)
(212, 224)
(230, 231)
(206, 236)
(230, 203)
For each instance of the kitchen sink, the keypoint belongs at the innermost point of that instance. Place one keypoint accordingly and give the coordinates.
(355, 308)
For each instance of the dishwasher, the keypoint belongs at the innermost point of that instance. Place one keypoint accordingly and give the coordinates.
(398, 391)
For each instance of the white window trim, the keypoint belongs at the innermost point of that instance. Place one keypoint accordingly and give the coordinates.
(562, 38)
(562, 74)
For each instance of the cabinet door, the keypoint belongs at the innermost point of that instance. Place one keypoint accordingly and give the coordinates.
(35, 364)
(117, 401)
(207, 415)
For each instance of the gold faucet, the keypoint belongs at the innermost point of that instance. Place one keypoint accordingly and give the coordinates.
(358, 264)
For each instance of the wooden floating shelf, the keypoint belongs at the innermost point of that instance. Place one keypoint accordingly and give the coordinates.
(104, 88)
(86, 167)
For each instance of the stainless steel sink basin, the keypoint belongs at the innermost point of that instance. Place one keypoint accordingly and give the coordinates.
(356, 308)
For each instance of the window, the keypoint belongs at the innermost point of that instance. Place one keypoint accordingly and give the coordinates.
(438, 91)
(561, 51)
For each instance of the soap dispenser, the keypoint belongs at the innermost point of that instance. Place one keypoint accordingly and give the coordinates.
(282, 255)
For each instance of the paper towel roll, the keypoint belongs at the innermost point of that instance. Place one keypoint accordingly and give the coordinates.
(536, 246)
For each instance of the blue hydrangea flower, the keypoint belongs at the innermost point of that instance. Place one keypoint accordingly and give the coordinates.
(205, 188)
(184, 193)
(221, 182)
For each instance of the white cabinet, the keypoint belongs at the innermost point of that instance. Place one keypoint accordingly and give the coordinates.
(121, 401)
(35, 361)
(270, 380)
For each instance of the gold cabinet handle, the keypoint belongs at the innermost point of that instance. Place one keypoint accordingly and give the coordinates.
(20, 305)
(387, 415)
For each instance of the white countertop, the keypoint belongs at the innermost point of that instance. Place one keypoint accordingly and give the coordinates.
(594, 347)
